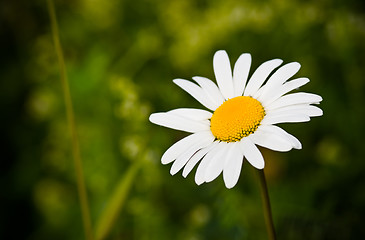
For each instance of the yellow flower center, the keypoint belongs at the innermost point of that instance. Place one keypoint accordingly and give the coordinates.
(236, 118)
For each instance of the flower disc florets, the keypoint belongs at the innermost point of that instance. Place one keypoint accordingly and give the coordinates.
(236, 118)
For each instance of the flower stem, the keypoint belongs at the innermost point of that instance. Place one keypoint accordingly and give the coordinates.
(266, 205)
(72, 125)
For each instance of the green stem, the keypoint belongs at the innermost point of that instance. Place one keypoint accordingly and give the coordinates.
(266, 205)
(72, 125)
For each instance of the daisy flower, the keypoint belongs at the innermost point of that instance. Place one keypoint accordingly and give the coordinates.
(242, 115)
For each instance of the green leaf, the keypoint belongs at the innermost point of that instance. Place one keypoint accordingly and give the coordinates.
(116, 202)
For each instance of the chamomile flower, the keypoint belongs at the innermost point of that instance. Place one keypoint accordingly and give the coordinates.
(243, 114)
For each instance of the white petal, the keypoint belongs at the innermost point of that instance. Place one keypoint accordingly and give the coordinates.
(279, 131)
(202, 168)
(251, 153)
(284, 118)
(184, 157)
(296, 143)
(260, 75)
(196, 158)
(294, 98)
(211, 90)
(196, 92)
(217, 163)
(223, 73)
(280, 90)
(281, 76)
(312, 111)
(271, 141)
(240, 73)
(181, 146)
(232, 169)
(178, 122)
(309, 110)
(192, 113)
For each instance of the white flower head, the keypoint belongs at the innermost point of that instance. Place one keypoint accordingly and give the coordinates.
(243, 114)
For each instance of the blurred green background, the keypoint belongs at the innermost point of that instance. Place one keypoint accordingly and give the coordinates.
(121, 57)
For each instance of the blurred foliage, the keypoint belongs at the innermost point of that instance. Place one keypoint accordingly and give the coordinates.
(121, 57)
